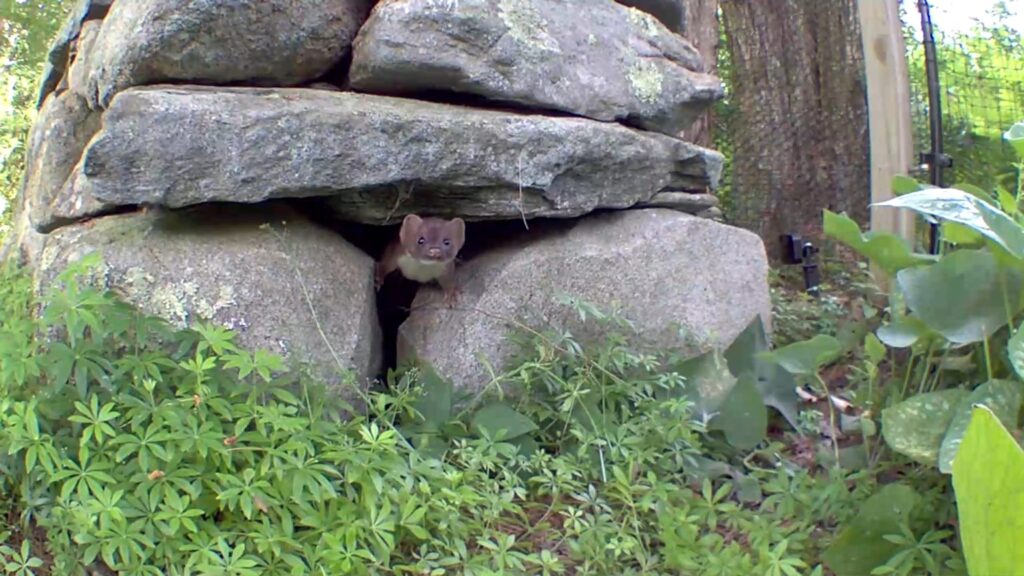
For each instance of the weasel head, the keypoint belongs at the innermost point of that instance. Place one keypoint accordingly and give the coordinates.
(432, 239)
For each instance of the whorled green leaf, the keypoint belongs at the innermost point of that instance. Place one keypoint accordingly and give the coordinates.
(861, 546)
(743, 416)
(1015, 138)
(1002, 397)
(888, 251)
(807, 356)
(966, 209)
(916, 426)
(965, 297)
(500, 416)
(988, 476)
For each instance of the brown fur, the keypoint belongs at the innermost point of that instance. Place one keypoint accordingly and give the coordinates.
(425, 251)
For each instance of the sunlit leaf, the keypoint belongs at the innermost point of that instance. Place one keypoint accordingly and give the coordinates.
(888, 251)
(916, 426)
(988, 474)
(1002, 397)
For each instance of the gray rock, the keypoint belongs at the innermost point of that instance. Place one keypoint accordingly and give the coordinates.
(59, 57)
(668, 272)
(78, 74)
(61, 132)
(271, 42)
(683, 201)
(671, 13)
(376, 157)
(595, 59)
(224, 265)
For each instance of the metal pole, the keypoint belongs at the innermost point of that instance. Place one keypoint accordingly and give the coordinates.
(936, 160)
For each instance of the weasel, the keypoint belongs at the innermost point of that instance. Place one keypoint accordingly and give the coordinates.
(425, 251)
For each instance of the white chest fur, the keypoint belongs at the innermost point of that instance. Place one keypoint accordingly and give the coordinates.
(419, 270)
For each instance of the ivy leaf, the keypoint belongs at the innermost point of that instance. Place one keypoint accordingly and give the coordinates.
(776, 386)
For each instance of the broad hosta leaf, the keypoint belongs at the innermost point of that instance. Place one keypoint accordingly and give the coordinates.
(886, 250)
(777, 386)
(861, 546)
(1015, 350)
(964, 208)
(903, 332)
(1002, 397)
(743, 416)
(964, 296)
(708, 382)
(500, 416)
(988, 474)
(961, 235)
(808, 356)
(916, 426)
(1015, 137)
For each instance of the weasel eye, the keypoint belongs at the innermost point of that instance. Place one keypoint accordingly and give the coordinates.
(421, 240)
(447, 242)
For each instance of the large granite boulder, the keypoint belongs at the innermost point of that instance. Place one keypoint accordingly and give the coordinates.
(670, 273)
(270, 42)
(671, 13)
(590, 58)
(61, 132)
(277, 286)
(376, 158)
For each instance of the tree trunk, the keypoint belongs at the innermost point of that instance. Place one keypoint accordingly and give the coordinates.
(701, 17)
(800, 139)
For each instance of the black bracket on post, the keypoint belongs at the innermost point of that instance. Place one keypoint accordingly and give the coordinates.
(927, 159)
(796, 250)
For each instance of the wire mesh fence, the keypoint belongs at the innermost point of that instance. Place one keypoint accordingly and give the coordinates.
(802, 100)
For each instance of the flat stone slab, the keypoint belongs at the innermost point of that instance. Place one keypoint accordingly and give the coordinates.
(375, 158)
(600, 60)
(264, 43)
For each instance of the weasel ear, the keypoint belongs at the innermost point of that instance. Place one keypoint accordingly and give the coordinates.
(410, 228)
(458, 230)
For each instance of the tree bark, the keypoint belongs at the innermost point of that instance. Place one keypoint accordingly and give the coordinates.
(701, 18)
(800, 130)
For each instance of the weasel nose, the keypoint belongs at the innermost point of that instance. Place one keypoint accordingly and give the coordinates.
(434, 252)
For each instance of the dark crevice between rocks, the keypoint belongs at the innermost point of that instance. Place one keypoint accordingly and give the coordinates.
(395, 298)
(472, 101)
(337, 76)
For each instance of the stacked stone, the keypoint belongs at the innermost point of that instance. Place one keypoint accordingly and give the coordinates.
(485, 109)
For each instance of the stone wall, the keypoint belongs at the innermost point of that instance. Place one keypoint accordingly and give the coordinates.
(234, 162)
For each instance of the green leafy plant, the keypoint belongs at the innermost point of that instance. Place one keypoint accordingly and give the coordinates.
(161, 451)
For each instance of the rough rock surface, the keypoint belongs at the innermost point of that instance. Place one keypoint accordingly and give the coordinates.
(60, 51)
(79, 70)
(61, 132)
(664, 270)
(671, 13)
(270, 42)
(219, 264)
(542, 54)
(376, 157)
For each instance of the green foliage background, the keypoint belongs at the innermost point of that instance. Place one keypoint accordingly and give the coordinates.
(26, 29)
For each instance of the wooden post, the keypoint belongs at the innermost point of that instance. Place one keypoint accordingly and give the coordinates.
(888, 88)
